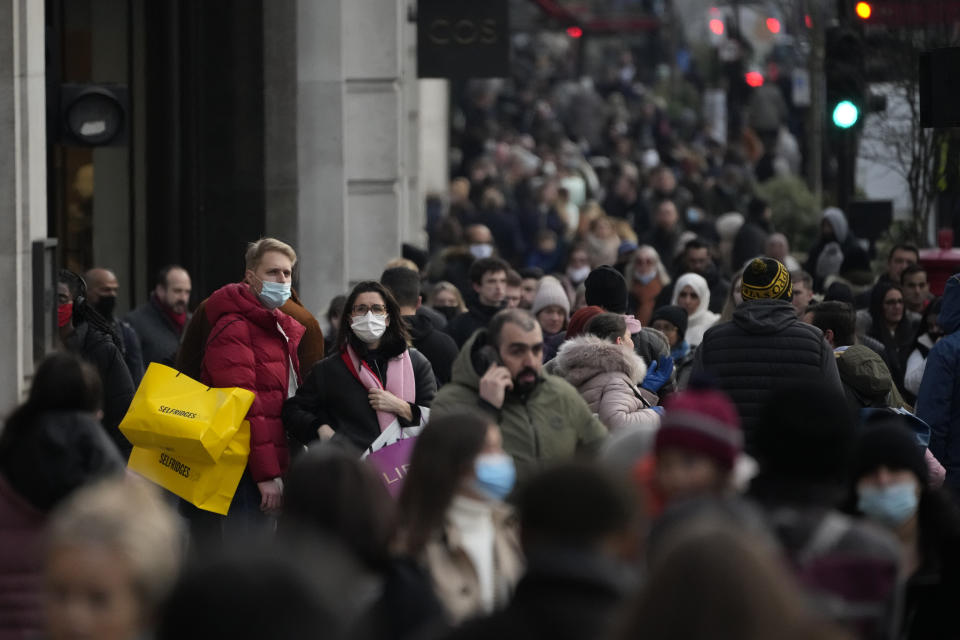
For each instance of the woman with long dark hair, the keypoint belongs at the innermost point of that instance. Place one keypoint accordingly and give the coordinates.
(891, 326)
(371, 380)
(354, 510)
(452, 517)
(928, 334)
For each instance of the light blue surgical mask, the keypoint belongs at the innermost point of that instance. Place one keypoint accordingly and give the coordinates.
(645, 277)
(891, 505)
(274, 294)
(496, 474)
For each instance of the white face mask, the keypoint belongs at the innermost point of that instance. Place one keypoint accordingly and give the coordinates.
(481, 251)
(369, 328)
(645, 277)
(578, 274)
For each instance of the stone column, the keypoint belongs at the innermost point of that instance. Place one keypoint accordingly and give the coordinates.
(355, 163)
(434, 135)
(23, 199)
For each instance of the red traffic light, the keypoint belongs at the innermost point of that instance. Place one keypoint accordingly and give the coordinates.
(716, 26)
(754, 79)
(864, 10)
(773, 25)
(574, 32)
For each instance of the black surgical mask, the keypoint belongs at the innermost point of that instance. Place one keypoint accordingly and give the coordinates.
(449, 312)
(105, 306)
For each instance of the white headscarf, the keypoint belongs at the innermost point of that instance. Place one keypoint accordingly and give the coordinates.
(838, 221)
(701, 319)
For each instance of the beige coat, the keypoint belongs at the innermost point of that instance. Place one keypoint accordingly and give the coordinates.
(607, 375)
(454, 577)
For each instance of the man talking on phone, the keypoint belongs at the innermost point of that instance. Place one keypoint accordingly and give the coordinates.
(500, 372)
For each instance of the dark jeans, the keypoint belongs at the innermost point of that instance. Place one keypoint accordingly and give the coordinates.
(243, 522)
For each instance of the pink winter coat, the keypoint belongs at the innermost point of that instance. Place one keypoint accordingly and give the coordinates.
(252, 347)
(607, 375)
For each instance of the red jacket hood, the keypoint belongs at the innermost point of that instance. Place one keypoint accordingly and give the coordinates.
(237, 298)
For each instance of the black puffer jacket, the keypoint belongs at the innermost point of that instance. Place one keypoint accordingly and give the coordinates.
(98, 348)
(763, 348)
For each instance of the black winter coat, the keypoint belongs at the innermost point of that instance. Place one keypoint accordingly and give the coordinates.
(435, 345)
(159, 338)
(48, 455)
(331, 395)
(466, 324)
(132, 353)
(565, 595)
(98, 348)
(765, 347)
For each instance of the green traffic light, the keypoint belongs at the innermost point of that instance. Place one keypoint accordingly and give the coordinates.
(845, 114)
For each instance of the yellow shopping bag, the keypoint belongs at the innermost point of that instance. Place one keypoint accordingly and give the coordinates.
(207, 485)
(176, 414)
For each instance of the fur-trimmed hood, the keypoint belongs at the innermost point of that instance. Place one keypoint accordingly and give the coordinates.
(586, 356)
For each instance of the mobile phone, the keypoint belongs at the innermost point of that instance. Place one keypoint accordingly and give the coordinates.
(489, 355)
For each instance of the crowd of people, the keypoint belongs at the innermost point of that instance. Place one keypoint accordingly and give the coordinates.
(636, 414)
(572, 462)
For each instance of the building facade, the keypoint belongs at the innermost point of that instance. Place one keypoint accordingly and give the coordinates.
(293, 118)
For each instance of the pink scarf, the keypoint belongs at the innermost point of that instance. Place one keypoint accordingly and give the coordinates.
(400, 379)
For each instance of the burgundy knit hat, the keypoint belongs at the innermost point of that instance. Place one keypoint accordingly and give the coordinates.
(701, 420)
(578, 321)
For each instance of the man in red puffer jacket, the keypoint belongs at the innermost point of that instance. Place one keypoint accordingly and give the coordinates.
(252, 345)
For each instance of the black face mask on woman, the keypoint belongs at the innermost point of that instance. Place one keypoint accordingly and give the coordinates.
(449, 312)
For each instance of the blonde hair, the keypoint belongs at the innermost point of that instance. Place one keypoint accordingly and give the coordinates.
(129, 517)
(255, 251)
(447, 286)
(406, 263)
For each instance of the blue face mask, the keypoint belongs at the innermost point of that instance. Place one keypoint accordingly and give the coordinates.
(496, 474)
(645, 278)
(891, 505)
(274, 294)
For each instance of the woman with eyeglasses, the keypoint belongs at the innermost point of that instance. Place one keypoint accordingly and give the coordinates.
(893, 328)
(371, 379)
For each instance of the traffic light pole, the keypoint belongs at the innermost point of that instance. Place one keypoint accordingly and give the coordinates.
(817, 109)
(846, 168)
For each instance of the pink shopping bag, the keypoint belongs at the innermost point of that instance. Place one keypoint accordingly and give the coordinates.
(392, 462)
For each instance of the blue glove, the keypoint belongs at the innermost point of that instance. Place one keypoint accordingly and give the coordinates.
(659, 410)
(658, 374)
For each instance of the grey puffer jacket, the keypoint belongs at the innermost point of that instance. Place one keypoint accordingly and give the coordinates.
(607, 376)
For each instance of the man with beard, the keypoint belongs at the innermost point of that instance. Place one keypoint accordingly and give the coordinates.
(102, 288)
(160, 321)
(529, 281)
(500, 371)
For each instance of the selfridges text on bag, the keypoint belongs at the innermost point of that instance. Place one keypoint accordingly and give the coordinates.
(189, 438)
(185, 418)
(206, 485)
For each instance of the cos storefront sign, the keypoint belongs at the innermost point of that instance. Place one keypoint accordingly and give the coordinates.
(462, 39)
